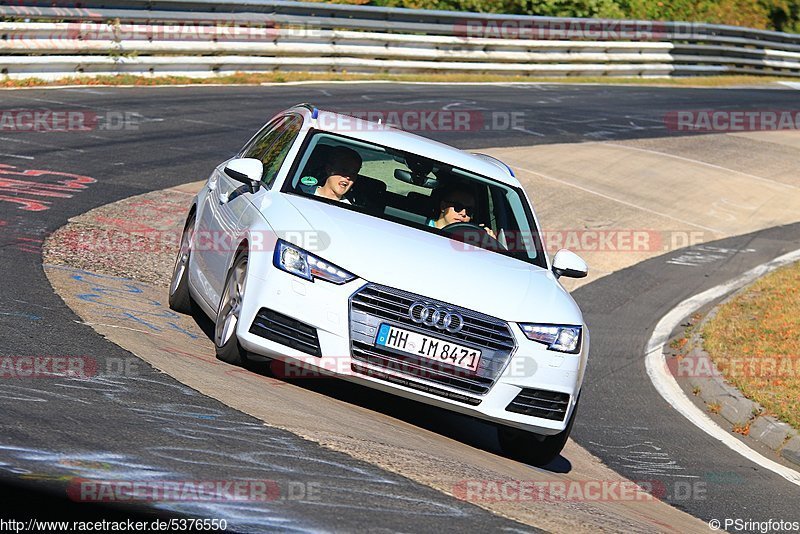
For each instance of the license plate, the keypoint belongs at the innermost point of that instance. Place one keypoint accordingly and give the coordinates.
(427, 347)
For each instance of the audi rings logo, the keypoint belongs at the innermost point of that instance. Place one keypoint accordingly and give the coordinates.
(441, 318)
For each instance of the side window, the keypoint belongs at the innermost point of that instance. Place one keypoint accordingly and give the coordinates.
(274, 155)
(263, 139)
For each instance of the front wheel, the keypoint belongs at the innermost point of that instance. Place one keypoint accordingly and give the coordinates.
(533, 449)
(179, 298)
(227, 343)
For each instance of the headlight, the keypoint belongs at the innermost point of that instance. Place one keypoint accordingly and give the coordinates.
(560, 338)
(300, 263)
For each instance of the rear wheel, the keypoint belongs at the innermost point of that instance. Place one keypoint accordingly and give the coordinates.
(179, 298)
(533, 449)
(227, 343)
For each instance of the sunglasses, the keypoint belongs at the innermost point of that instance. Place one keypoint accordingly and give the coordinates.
(458, 206)
(352, 174)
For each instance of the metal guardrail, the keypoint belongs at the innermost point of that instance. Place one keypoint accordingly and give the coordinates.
(441, 21)
(207, 38)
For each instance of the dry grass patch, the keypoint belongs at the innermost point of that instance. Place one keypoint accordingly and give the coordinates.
(282, 77)
(754, 340)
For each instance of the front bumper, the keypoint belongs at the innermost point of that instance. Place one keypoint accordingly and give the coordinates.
(285, 306)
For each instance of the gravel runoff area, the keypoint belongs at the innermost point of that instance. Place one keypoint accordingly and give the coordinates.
(136, 238)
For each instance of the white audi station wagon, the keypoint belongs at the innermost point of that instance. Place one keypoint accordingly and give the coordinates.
(357, 250)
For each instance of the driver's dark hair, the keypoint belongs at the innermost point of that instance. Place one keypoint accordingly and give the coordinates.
(446, 191)
(340, 154)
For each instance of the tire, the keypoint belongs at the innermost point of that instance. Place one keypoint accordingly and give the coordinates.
(179, 298)
(531, 448)
(225, 340)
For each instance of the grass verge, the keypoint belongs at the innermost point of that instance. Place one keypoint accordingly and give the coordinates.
(283, 77)
(754, 339)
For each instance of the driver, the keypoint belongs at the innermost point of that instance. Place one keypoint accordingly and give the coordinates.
(457, 206)
(341, 170)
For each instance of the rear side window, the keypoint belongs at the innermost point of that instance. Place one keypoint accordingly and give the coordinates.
(264, 137)
(272, 144)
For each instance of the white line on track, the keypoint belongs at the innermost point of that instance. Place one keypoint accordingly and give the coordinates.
(85, 90)
(16, 156)
(41, 145)
(59, 102)
(531, 132)
(668, 387)
(625, 202)
(103, 325)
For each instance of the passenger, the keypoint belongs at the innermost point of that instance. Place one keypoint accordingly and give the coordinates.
(341, 171)
(457, 206)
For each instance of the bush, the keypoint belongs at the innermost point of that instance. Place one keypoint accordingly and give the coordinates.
(780, 15)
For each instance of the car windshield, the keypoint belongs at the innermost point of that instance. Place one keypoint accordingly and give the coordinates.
(419, 192)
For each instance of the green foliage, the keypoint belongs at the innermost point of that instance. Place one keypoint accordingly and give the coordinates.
(550, 8)
(784, 15)
(750, 13)
(780, 15)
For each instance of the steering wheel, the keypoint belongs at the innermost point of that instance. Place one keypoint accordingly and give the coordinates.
(472, 234)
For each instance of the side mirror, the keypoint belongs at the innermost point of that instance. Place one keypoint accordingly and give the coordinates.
(247, 171)
(567, 263)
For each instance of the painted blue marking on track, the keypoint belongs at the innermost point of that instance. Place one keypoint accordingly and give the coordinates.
(181, 330)
(126, 299)
(30, 316)
(132, 317)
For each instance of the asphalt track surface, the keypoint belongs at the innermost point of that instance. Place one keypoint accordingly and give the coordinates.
(55, 429)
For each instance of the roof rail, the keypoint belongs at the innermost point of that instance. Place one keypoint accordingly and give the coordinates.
(497, 162)
(310, 107)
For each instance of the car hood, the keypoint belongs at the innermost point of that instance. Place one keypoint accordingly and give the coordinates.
(413, 260)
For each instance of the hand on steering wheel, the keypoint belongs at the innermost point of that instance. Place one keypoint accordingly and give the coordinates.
(488, 230)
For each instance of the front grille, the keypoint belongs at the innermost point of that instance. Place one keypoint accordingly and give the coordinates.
(414, 385)
(283, 329)
(393, 304)
(374, 305)
(540, 403)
